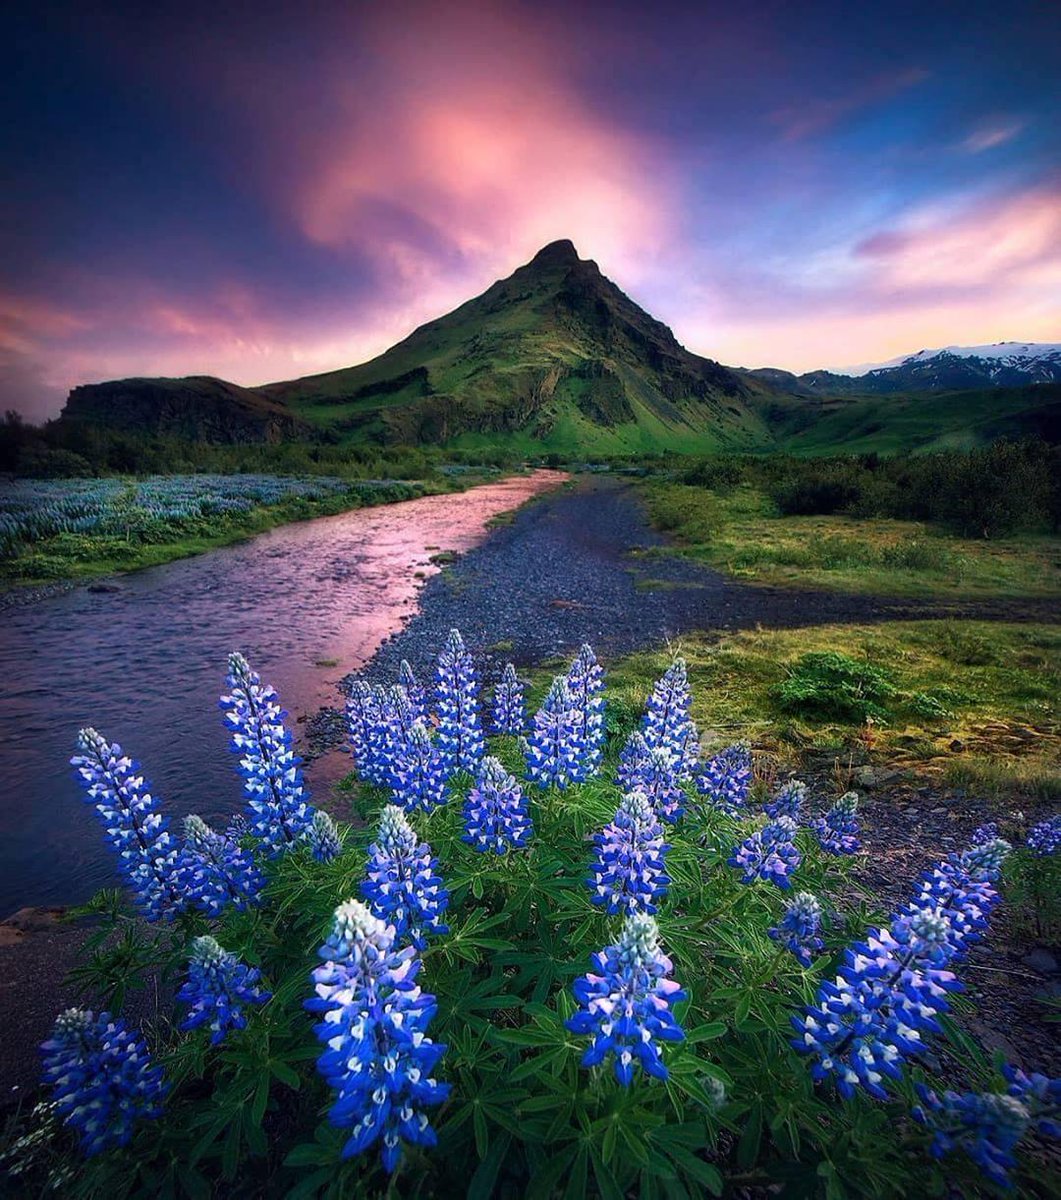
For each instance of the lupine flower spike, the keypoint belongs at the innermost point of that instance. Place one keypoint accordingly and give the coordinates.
(837, 831)
(627, 1008)
(215, 870)
(798, 929)
(377, 1057)
(101, 1077)
(147, 853)
(414, 691)
(509, 713)
(460, 735)
(402, 882)
(361, 718)
(654, 772)
(419, 779)
(667, 723)
(1045, 838)
(495, 813)
(218, 988)
(323, 837)
(628, 871)
(724, 780)
(555, 748)
(272, 773)
(788, 801)
(585, 682)
(769, 854)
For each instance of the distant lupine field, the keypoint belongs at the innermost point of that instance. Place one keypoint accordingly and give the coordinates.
(561, 953)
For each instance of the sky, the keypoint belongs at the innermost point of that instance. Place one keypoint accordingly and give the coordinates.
(261, 191)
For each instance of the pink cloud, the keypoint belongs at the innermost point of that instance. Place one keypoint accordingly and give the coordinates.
(810, 117)
(995, 132)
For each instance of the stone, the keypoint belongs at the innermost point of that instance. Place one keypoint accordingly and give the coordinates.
(1042, 960)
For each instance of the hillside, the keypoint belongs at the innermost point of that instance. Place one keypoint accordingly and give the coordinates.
(554, 356)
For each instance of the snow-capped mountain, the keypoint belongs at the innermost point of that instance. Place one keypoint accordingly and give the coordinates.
(1022, 356)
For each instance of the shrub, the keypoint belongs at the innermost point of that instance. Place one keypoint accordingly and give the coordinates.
(830, 686)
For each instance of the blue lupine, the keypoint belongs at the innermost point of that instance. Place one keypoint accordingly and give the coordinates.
(627, 1007)
(653, 770)
(628, 871)
(460, 735)
(962, 890)
(495, 812)
(378, 1058)
(272, 773)
(509, 712)
(215, 871)
(379, 720)
(837, 831)
(101, 1077)
(798, 929)
(1044, 839)
(667, 723)
(361, 719)
(987, 1126)
(217, 989)
(585, 682)
(554, 746)
(402, 882)
(984, 833)
(323, 837)
(147, 853)
(414, 691)
(418, 778)
(725, 780)
(788, 801)
(889, 990)
(769, 854)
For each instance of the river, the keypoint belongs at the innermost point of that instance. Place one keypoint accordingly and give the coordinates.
(144, 663)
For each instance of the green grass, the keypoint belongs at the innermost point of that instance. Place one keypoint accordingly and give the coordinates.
(742, 534)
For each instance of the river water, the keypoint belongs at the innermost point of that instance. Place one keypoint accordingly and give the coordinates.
(145, 664)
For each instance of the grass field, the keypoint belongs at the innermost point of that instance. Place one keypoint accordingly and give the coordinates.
(742, 534)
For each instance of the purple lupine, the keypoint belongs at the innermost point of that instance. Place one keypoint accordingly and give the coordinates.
(272, 772)
(414, 691)
(378, 1058)
(788, 801)
(654, 771)
(628, 871)
(147, 854)
(495, 813)
(325, 841)
(667, 723)
(585, 683)
(554, 749)
(402, 883)
(1044, 840)
(509, 713)
(798, 929)
(837, 831)
(460, 735)
(215, 871)
(725, 780)
(217, 990)
(627, 1008)
(418, 778)
(768, 854)
(361, 719)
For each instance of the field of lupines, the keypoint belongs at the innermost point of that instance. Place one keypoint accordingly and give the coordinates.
(563, 957)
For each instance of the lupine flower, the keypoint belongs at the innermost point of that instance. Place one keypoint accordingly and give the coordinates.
(798, 929)
(147, 853)
(987, 1126)
(768, 854)
(272, 772)
(323, 837)
(387, 720)
(788, 801)
(460, 735)
(509, 713)
(628, 871)
(418, 778)
(238, 827)
(652, 770)
(585, 682)
(837, 831)
(101, 1077)
(725, 779)
(626, 1009)
(495, 812)
(361, 719)
(402, 882)
(217, 989)
(984, 860)
(667, 722)
(414, 691)
(984, 833)
(377, 1058)
(215, 871)
(554, 744)
(1045, 838)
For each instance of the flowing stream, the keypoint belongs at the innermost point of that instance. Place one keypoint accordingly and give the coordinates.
(144, 663)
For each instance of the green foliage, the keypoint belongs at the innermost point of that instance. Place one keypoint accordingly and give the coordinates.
(830, 686)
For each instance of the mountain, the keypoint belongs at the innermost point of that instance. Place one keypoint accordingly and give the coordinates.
(554, 356)
(1004, 364)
